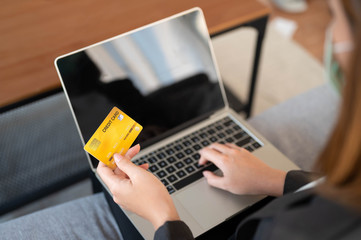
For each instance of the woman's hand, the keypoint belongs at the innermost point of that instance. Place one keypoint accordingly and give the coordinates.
(243, 173)
(137, 190)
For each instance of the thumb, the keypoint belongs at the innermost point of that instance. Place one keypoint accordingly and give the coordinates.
(213, 179)
(124, 164)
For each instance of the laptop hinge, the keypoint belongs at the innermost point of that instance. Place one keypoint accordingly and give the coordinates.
(220, 112)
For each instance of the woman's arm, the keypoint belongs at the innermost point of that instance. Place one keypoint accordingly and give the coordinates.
(296, 179)
(172, 230)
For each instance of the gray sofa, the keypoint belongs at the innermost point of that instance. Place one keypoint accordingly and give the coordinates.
(41, 151)
(298, 127)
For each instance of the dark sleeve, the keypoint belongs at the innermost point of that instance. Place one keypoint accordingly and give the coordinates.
(296, 179)
(173, 230)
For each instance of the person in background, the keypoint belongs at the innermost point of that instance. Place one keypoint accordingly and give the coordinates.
(326, 208)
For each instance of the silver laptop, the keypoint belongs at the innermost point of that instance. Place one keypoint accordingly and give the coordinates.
(164, 75)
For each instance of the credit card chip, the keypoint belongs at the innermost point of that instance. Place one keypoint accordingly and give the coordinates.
(95, 143)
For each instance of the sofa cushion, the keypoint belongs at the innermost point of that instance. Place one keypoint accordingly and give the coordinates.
(300, 126)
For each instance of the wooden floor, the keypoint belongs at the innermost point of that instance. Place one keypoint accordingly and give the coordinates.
(311, 25)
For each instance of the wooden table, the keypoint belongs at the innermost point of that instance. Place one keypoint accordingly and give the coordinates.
(34, 33)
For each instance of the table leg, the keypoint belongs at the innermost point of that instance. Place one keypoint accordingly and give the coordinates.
(260, 25)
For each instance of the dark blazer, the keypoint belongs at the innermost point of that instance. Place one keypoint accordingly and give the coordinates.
(301, 215)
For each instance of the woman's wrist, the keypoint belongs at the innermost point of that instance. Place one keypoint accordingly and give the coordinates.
(165, 216)
(275, 183)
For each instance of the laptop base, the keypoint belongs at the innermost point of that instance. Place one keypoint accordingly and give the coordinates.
(222, 231)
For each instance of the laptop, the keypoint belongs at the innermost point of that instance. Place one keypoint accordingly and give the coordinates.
(165, 76)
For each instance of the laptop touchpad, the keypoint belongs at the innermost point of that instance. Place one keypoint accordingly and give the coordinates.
(211, 206)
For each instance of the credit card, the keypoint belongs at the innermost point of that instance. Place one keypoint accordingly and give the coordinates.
(115, 135)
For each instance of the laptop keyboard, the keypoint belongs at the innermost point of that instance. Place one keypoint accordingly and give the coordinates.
(176, 164)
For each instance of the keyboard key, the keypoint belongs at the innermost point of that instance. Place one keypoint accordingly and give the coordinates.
(188, 151)
(179, 165)
(161, 174)
(195, 139)
(178, 147)
(230, 140)
(153, 168)
(221, 135)
(190, 169)
(196, 156)
(211, 131)
(170, 169)
(170, 189)
(162, 164)
(205, 143)
(171, 159)
(219, 128)
(161, 155)
(165, 183)
(172, 178)
(203, 135)
(169, 151)
(239, 135)
(152, 159)
(228, 123)
(193, 177)
(213, 139)
(181, 173)
(197, 147)
(229, 131)
(180, 155)
(236, 127)
(198, 166)
(256, 145)
(249, 148)
(188, 160)
(187, 143)
(244, 142)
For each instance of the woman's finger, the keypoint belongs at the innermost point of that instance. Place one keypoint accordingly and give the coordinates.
(222, 148)
(212, 155)
(107, 174)
(125, 165)
(144, 166)
(213, 179)
(132, 151)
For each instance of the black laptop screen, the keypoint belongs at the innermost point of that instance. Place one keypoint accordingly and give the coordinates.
(163, 76)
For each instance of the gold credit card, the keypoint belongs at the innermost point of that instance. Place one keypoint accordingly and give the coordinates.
(115, 135)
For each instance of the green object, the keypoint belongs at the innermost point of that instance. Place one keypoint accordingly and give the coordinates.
(333, 71)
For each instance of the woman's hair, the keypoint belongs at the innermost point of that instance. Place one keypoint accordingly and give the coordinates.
(340, 161)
